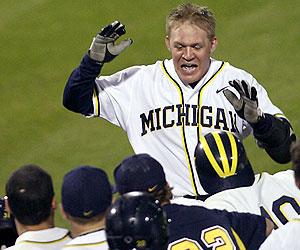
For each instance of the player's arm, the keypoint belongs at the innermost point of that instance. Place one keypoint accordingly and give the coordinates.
(78, 92)
(274, 134)
(269, 227)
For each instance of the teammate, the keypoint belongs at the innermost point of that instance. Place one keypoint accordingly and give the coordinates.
(286, 237)
(31, 202)
(86, 195)
(136, 221)
(190, 227)
(165, 107)
(226, 173)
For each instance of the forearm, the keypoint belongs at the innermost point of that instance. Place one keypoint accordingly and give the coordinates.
(79, 88)
(275, 136)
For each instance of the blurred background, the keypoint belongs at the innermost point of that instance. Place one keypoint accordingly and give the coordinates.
(42, 41)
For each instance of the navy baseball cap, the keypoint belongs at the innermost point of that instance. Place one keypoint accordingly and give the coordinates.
(86, 192)
(139, 172)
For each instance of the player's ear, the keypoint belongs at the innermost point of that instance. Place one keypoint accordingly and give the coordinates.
(214, 43)
(53, 204)
(167, 42)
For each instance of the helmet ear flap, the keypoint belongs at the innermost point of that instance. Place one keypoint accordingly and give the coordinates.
(221, 162)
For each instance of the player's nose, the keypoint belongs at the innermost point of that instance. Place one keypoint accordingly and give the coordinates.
(188, 53)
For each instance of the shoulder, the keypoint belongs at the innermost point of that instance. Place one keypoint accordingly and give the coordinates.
(93, 238)
(235, 72)
(279, 176)
(198, 212)
(131, 74)
(187, 202)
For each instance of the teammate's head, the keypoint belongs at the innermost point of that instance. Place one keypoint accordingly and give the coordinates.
(191, 40)
(86, 194)
(136, 221)
(295, 156)
(222, 163)
(30, 195)
(141, 172)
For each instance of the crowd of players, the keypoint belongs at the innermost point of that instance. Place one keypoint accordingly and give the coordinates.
(166, 197)
(253, 211)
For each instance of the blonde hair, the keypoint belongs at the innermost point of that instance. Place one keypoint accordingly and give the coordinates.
(195, 14)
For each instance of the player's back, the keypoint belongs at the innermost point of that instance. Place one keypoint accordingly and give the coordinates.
(279, 197)
(200, 228)
(92, 240)
(273, 196)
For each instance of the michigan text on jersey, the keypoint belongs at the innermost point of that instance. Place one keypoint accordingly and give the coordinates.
(176, 115)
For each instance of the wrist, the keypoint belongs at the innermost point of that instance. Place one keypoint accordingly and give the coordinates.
(90, 66)
(263, 124)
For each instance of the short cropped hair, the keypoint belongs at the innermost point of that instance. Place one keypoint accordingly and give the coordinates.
(195, 14)
(163, 195)
(295, 156)
(30, 194)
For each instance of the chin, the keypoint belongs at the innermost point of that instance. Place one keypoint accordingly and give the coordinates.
(188, 80)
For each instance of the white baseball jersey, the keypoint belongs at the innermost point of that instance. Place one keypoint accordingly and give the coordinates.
(273, 196)
(94, 240)
(164, 118)
(285, 237)
(48, 239)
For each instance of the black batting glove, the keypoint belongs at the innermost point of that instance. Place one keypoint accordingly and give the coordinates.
(247, 105)
(103, 48)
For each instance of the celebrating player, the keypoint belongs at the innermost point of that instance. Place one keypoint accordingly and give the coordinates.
(286, 237)
(226, 174)
(86, 195)
(190, 227)
(31, 202)
(167, 106)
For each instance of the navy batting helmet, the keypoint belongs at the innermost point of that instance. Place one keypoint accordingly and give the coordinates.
(222, 163)
(136, 221)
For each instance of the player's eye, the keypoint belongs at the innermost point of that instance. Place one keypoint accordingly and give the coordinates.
(178, 46)
(197, 46)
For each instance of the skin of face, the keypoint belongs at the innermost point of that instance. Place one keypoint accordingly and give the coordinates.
(191, 49)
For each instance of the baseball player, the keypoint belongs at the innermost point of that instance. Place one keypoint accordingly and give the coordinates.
(190, 227)
(136, 221)
(286, 237)
(165, 107)
(86, 196)
(226, 173)
(31, 202)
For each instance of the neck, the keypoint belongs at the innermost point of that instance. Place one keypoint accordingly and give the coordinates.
(21, 228)
(78, 229)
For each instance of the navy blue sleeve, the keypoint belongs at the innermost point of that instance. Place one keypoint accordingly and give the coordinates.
(275, 136)
(250, 228)
(78, 92)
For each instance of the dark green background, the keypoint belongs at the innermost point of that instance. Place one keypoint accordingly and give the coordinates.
(42, 41)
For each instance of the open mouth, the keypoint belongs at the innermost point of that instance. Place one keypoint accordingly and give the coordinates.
(189, 66)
